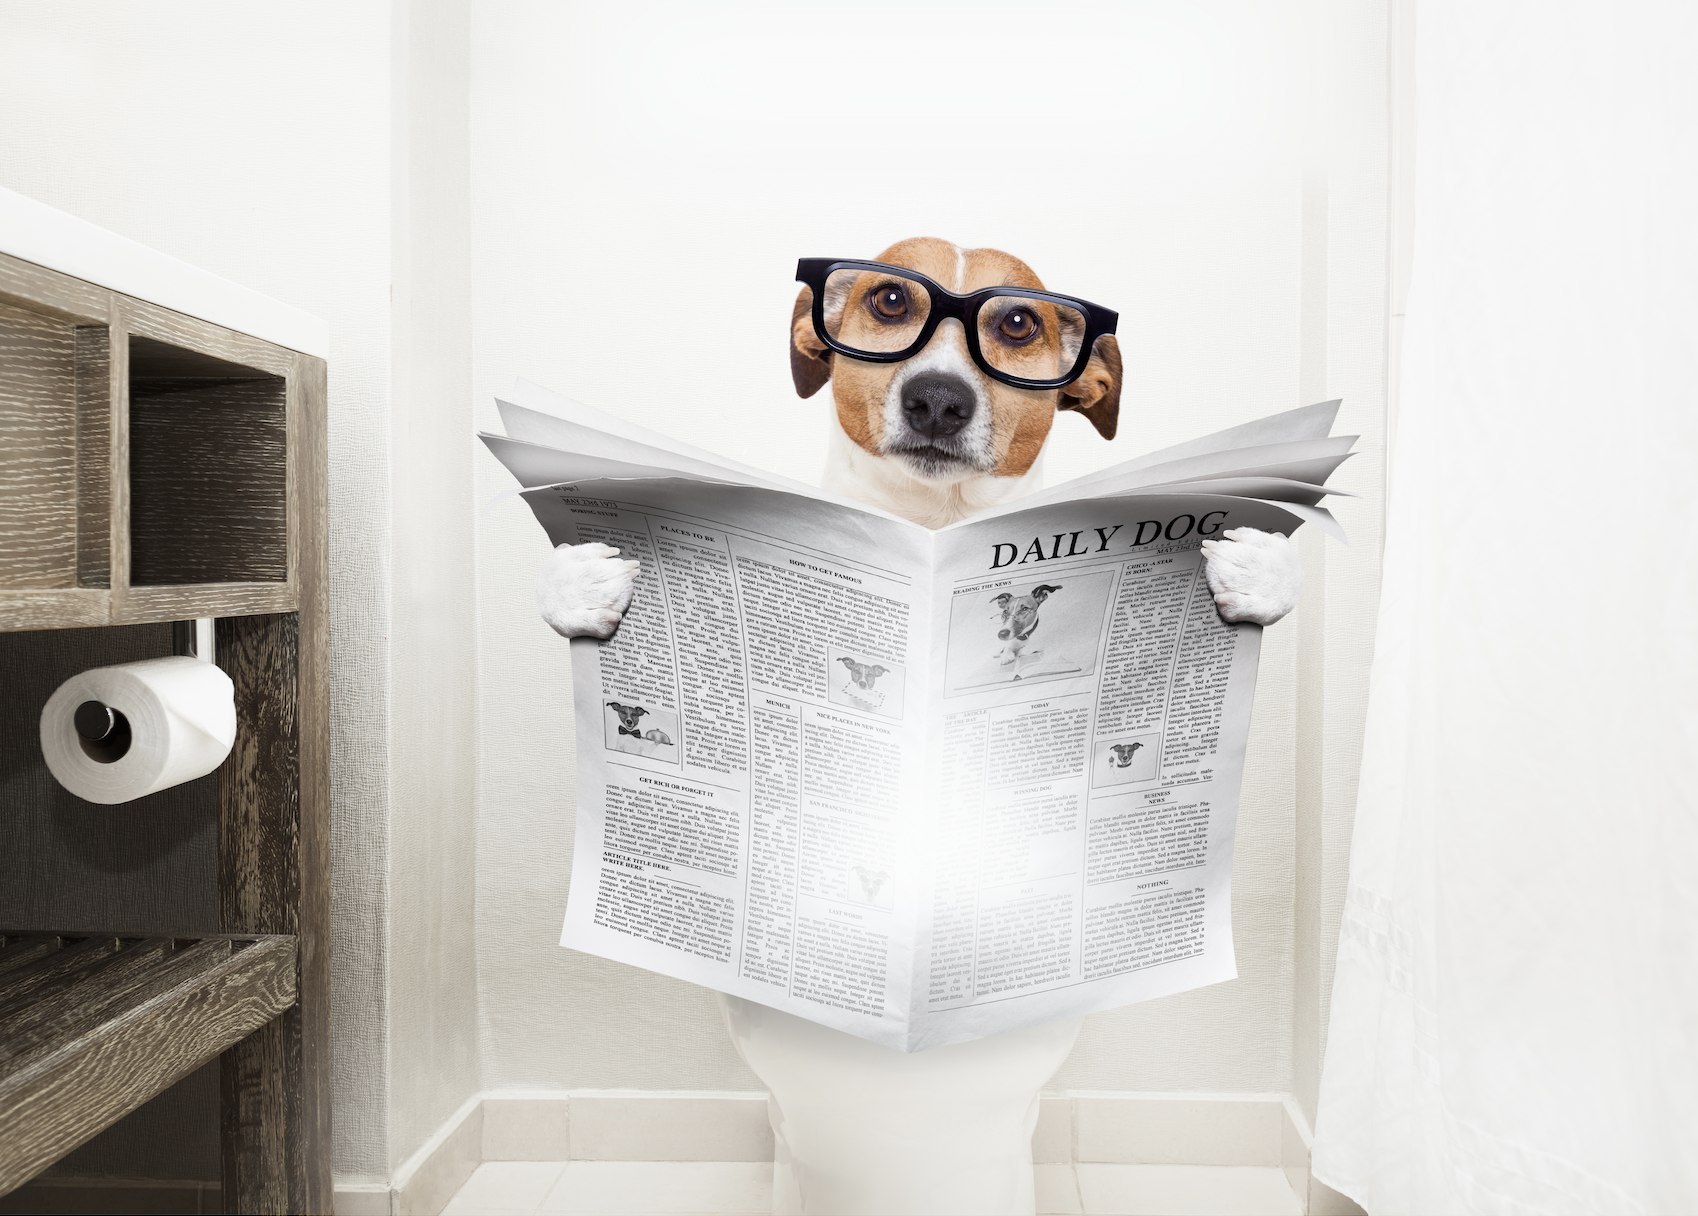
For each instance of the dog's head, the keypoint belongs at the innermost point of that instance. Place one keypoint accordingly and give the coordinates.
(628, 714)
(1020, 612)
(937, 413)
(864, 674)
(1123, 753)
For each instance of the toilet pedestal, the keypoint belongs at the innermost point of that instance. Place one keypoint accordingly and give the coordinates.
(864, 1130)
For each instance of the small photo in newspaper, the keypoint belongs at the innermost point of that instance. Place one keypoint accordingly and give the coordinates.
(641, 730)
(865, 682)
(1044, 629)
(870, 885)
(1126, 760)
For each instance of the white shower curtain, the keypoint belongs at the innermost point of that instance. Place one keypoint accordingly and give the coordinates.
(1515, 1017)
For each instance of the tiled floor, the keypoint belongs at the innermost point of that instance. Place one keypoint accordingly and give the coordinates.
(615, 1188)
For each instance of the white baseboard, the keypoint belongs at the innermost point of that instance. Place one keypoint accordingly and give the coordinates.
(647, 1125)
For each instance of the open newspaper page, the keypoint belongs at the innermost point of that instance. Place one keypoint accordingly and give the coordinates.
(921, 787)
(744, 742)
(1090, 714)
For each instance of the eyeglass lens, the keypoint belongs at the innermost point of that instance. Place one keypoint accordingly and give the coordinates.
(881, 312)
(875, 311)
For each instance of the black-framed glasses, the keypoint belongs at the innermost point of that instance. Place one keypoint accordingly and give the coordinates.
(884, 314)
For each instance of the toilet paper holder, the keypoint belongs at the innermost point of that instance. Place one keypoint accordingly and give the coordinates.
(194, 638)
(103, 731)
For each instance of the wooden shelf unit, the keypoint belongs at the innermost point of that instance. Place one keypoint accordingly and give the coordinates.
(91, 1026)
(156, 467)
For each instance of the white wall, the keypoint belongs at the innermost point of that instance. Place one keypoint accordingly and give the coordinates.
(643, 181)
(433, 1049)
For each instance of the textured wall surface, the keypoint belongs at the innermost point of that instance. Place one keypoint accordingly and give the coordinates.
(253, 141)
(634, 248)
(433, 994)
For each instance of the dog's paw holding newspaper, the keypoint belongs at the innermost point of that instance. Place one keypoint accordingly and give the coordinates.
(1255, 576)
(583, 590)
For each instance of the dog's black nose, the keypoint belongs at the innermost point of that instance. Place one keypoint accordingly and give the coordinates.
(937, 405)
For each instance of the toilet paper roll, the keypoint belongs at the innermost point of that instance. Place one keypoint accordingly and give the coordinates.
(181, 719)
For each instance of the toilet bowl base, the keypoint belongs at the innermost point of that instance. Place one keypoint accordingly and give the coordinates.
(865, 1130)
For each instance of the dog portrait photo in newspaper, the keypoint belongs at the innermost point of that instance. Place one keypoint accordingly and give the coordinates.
(1047, 629)
(1125, 760)
(865, 682)
(640, 730)
(866, 884)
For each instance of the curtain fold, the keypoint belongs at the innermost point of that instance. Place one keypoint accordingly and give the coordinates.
(1514, 1023)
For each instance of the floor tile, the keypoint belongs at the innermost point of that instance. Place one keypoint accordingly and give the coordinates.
(743, 1188)
(1058, 1190)
(505, 1186)
(1185, 1190)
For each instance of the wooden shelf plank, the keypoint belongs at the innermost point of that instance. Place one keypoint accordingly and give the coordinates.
(57, 971)
(191, 600)
(156, 1022)
(75, 608)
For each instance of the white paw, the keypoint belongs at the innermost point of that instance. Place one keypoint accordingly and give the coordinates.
(1255, 576)
(583, 590)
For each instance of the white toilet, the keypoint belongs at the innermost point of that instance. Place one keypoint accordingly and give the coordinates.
(865, 1130)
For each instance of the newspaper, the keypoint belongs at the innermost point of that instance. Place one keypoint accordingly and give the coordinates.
(919, 786)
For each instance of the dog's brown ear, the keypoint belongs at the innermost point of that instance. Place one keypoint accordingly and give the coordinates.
(1096, 393)
(810, 359)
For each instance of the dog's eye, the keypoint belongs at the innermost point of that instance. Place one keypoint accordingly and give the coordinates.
(1018, 325)
(890, 301)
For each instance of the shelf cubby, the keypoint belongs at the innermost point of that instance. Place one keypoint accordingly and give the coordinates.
(209, 496)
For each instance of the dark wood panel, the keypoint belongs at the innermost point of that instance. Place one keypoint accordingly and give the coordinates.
(63, 1096)
(310, 462)
(27, 1030)
(259, 861)
(274, 855)
(39, 981)
(38, 450)
(118, 478)
(271, 1150)
(23, 954)
(94, 456)
(208, 484)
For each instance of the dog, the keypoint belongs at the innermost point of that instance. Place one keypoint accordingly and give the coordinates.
(935, 440)
(628, 715)
(865, 675)
(871, 881)
(1123, 753)
(1019, 620)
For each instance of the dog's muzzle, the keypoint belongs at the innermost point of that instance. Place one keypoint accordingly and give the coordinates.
(937, 405)
(936, 436)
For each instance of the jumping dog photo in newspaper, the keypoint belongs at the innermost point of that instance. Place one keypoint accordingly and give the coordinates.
(1027, 631)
